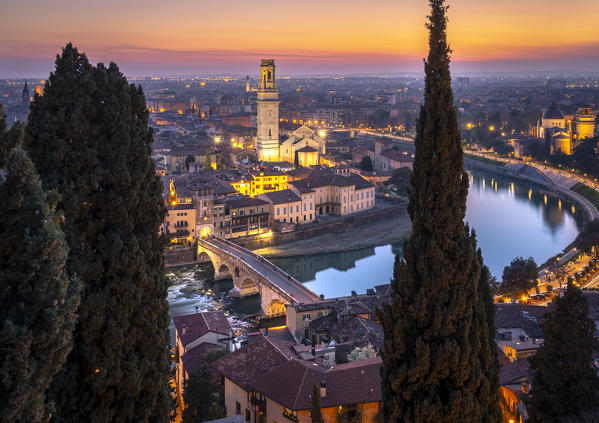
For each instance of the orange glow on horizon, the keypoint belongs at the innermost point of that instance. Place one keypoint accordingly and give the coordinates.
(348, 31)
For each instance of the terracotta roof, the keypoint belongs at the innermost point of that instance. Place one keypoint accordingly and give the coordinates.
(246, 364)
(238, 201)
(525, 317)
(397, 156)
(291, 383)
(194, 358)
(513, 372)
(282, 197)
(199, 324)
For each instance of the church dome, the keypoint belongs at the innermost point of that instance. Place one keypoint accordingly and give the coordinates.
(553, 113)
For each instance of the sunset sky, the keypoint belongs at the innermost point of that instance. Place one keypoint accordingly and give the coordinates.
(180, 37)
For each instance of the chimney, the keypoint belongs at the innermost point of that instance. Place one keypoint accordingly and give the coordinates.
(184, 330)
(197, 309)
(323, 388)
(265, 331)
(313, 349)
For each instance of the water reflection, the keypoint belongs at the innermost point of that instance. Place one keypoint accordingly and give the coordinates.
(511, 218)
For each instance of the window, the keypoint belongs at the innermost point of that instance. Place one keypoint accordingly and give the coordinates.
(297, 208)
(247, 415)
(278, 211)
(304, 206)
(306, 316)
(237, 408)
(269, 133)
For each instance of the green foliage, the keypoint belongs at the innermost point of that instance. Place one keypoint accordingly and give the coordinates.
(208, 161)
(565, 385)
(316, 412)
(38, 299)
(188, 161)
(8, 139)
(519, 277)
(587, 192)
(204, 397)
(89, 138)
(366, 164)
(439, 362)
(400, 181)
(362, 353)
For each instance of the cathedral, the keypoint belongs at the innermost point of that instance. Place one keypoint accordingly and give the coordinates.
(303, 147)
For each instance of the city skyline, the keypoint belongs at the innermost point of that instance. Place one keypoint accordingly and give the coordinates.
(335, 37)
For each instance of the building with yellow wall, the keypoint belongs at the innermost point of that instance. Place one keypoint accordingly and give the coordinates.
(337, 194)
(260, 182)
(289, 206)
(266, 382)
(239, 216)
(584, 123)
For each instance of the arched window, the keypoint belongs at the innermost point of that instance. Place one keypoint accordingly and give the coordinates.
(269, 76)
(269, 133)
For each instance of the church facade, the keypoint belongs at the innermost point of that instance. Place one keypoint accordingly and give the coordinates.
(303, 147)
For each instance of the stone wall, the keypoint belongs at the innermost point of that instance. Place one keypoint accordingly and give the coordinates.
(180, 256)
(312, 230)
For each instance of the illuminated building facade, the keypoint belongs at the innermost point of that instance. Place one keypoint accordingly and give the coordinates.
(268, 113)
(261, 182)
(584, 122)
(306, 144)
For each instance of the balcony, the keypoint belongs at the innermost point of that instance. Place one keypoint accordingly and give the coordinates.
(290, 416)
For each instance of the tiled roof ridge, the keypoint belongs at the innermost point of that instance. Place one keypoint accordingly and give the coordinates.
(295, 401)
(276, 347)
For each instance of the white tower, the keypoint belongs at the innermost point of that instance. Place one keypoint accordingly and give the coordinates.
(268, 113)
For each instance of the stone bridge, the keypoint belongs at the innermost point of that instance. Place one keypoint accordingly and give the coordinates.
(253, 274)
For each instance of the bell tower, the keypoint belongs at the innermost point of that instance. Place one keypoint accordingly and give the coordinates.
(268, 113)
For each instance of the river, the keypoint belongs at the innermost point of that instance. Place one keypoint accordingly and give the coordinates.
(511, 218)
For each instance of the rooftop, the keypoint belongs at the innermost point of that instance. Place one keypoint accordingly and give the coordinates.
(199, 324)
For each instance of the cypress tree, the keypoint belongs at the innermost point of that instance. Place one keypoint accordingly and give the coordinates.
(8, 139)
(439, 359)
(89, 137)
(37, 300)
(565, 385)
(316, 412)
(208, 162)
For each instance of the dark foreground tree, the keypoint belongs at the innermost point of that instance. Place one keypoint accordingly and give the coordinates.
(37, 300)
(366, 164)
(519, 277)
(438, 361)
(565, 384)
(8, 139)
(316, 412)
(89, 138)
(204, 397)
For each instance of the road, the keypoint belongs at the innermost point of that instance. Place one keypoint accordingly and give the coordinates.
(269, 271)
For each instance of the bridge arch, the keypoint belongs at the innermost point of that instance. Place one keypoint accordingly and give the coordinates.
(248, 287)
(252, 275)
(276, 307)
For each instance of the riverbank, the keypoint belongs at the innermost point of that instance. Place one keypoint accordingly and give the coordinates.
(558, 185)
(373, 234)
